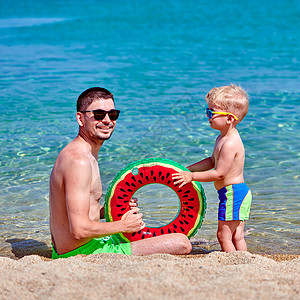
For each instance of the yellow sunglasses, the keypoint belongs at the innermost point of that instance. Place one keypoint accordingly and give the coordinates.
(210, 113)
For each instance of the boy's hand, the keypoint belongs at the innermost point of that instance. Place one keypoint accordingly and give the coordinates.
(182, 178)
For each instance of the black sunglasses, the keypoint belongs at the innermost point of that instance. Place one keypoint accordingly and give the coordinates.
(99, 114)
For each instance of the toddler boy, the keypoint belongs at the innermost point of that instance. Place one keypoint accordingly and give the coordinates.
(227, 106)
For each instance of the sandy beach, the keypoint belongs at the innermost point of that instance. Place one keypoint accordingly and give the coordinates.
(215, 275)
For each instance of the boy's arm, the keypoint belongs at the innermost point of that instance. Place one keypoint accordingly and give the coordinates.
(203, 165)
(223, 165)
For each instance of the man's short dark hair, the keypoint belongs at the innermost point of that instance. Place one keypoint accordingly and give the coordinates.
(91, 94)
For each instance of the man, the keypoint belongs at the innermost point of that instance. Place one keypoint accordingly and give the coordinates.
(75, 190)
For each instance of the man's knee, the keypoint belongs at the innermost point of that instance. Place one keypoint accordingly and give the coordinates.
(183, 243)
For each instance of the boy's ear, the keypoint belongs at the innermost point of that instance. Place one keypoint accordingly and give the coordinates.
(230, 119)
(79, 116)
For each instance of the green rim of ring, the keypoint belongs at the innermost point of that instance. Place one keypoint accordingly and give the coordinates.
(154, 161)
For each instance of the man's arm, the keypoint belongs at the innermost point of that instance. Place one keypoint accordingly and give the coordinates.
(77, 191)
(224, 164)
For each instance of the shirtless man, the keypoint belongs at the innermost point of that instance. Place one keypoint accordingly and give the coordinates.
(75, 190)
(227, 106)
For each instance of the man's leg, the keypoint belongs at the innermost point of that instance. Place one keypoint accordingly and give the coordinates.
(175, 243)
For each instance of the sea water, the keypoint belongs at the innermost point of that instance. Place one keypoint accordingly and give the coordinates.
(159, 59)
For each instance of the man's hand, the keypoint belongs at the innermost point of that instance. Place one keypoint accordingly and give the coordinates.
(133, 202)
(133, 220)
(182, 178)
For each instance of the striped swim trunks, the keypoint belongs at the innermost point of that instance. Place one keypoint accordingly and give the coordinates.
(235, 201)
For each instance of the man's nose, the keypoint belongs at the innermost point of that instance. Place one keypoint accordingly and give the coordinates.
(106, 119)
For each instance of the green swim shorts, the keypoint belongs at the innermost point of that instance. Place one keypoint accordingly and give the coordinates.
(109, 244)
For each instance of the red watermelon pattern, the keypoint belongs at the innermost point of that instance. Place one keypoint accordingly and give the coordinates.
(155, 170)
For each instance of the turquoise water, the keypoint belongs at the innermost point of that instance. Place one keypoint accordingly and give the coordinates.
(159, 58)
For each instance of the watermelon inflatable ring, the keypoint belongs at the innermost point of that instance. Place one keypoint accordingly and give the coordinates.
(155, 170)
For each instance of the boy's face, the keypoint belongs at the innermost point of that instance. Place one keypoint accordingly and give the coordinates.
(220, 118)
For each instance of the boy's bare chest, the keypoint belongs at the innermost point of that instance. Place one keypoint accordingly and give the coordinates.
(218, 147)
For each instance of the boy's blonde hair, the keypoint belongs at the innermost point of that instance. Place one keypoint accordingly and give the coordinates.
(231, 98)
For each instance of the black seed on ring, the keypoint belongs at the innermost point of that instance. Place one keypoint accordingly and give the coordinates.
(162, 177)
(188, 191)
(175, 226)
(147, 178)
(122, 190)
(168, 174)
(152, 172)
(142, 175)
(182, 229)
(140, 181)
(162, 231)
(159, 174)
(169, 230)
(133, 178)
(191, 216)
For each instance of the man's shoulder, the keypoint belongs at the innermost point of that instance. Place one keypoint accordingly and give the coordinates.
(72, 156)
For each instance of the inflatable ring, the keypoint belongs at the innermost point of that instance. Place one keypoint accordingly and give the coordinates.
(155, 170)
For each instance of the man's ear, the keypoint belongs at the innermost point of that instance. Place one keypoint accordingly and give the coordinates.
(79, 116)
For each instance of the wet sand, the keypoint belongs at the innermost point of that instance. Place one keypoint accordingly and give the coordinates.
(214, 275)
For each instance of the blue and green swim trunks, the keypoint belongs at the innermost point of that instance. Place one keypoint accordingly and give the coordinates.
(235, 201)
(109, 244)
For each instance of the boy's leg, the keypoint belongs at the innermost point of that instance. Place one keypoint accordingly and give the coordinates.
(175, 243)
(238, 237)
(226, 231)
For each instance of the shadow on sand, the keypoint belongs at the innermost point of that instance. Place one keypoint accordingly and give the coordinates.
(24, 247)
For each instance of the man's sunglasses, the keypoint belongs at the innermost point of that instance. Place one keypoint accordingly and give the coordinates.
(99, 114)
(210, 113)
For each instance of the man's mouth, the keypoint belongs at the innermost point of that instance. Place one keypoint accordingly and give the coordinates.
(104, 127)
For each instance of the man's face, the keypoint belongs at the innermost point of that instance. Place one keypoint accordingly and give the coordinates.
(102, 129)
